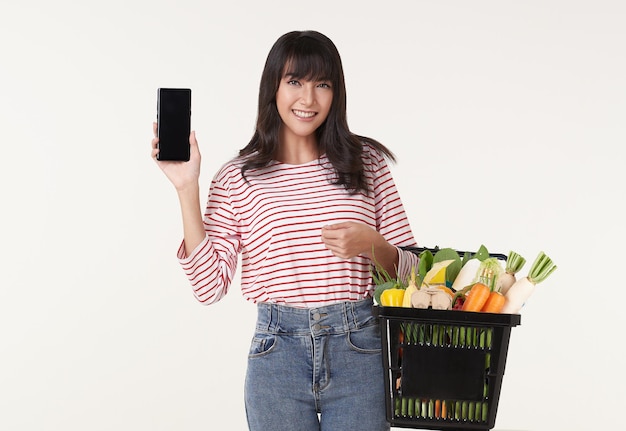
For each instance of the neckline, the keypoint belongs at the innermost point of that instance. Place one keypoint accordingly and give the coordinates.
(318, 160)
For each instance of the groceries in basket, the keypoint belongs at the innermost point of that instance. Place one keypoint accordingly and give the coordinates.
(477, 282)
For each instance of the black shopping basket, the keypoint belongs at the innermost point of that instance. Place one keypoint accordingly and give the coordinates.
(443, 368)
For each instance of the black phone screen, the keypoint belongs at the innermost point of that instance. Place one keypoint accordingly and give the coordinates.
(173, 123)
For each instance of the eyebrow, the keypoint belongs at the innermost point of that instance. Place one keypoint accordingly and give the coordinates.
(292, 75)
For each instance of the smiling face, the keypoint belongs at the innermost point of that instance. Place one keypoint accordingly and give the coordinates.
(302, 99)
(303, 106)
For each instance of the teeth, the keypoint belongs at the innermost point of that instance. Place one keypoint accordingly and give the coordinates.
(304, 114)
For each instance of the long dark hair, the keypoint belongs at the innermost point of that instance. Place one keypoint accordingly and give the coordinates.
(310, 55)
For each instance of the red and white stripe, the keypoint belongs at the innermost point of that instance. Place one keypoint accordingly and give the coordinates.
(275, 219)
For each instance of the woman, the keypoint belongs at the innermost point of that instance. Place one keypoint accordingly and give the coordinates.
(309, 206)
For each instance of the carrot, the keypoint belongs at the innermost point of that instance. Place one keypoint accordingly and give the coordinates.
(476, 297)
(494, 303)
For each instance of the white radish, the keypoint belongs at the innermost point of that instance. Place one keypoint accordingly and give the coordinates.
(521, 290)
(517, 295)
(505, 282)
(514, 263)
(467, 275)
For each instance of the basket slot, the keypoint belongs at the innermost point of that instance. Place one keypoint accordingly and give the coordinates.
(442, 411)
(438, 374)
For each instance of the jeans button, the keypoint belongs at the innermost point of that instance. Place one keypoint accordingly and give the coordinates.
(317, 327)
(316, 316)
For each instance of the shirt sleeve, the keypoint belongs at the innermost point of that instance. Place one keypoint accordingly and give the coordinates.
(210, 267)
(406, 261)
(391, 219)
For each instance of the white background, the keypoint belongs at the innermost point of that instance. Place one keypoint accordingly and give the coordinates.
(508, 120)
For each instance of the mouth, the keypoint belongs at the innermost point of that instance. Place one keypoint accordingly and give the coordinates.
(303, 114)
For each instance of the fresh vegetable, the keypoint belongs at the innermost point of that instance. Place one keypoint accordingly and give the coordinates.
(457, 302)
(459, 297)
(489, 272)
(482, 253)
(425, 263)
(494, 303)
(436, 297)
(383, 280)
(514, 264)
(380, 288)
(453, 268)
(476, 297)
(392, 297)
(411, 288)
(437, 274)
(420, 299)
(442, 298)
(521, 290)
(467, 274)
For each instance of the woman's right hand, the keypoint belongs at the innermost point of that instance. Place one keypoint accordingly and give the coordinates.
(181, 174)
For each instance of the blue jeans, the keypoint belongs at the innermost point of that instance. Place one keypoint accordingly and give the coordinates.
(324, 360)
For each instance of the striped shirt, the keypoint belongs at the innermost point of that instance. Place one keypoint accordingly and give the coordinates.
(274, 221)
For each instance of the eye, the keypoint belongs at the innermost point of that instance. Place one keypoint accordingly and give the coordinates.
(324, 85)
(293, 82)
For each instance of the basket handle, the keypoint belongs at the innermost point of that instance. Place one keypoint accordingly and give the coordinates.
(418, 250)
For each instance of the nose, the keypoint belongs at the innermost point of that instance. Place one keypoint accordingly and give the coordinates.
(307, 96)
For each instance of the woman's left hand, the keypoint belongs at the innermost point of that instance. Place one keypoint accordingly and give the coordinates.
(349, 239)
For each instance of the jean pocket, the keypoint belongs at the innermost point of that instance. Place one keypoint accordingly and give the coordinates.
(366, 339)
(261, 344)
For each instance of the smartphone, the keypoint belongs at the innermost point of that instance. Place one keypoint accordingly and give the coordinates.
(173, 123)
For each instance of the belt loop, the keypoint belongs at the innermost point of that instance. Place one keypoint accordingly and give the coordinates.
(354, 315)
(274, 317)
(345, 314)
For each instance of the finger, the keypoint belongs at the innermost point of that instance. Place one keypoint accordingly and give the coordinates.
(155, 147)
(193, 145)
(332, 238)
(337, 226)
(331, 248)
(335, 231)
(327, 234)
(154, 128)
